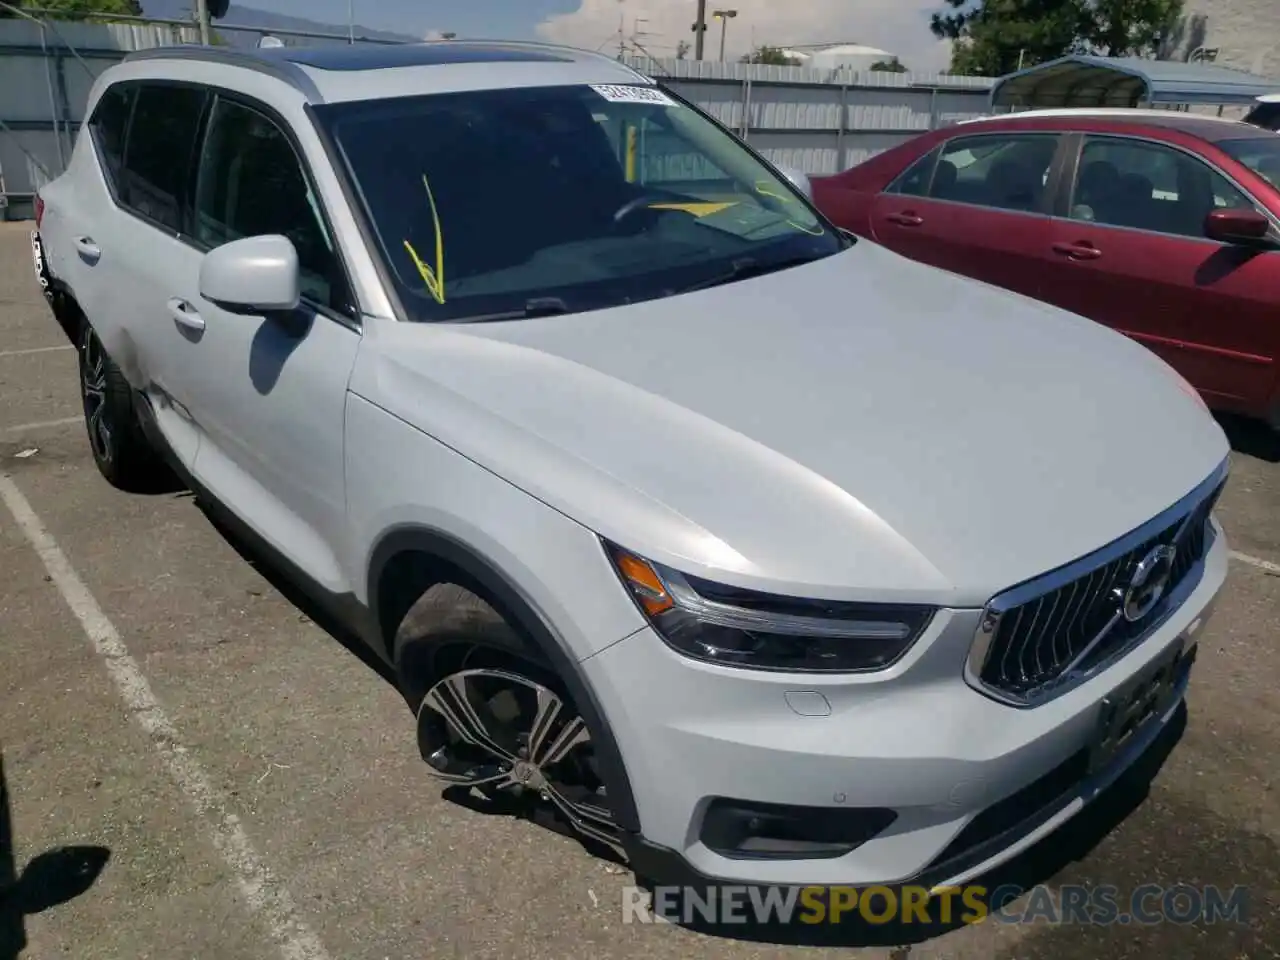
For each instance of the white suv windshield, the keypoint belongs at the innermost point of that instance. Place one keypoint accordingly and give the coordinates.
(563, 199)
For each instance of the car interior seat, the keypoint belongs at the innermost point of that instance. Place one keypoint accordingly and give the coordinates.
(1013, 185)
(944, 181)
(1096, 190)
(1135, 202)
(1195, 200)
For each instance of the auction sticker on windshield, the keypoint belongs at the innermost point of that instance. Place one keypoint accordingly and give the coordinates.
(622, 93)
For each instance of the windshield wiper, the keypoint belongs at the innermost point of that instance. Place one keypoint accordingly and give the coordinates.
(745, 267)
(534, 307)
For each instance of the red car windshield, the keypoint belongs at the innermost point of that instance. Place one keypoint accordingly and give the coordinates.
(1262, 156)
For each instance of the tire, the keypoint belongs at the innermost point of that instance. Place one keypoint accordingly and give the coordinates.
(121, 452)
(493, 716)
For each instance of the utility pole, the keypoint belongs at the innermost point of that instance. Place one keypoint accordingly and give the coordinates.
(351, 22)
(202, 15)
(699, 28)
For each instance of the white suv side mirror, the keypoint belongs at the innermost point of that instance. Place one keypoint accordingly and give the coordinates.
(798, 180)
(253, 275)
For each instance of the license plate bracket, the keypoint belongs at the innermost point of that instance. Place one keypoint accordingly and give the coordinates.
(1128, 712)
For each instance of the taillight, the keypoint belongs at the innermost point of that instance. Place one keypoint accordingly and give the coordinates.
(39, 210)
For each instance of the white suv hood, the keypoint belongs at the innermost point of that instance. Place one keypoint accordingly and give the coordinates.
(859, 427)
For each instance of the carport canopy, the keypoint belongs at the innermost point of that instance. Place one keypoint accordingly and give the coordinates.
(1088, 81)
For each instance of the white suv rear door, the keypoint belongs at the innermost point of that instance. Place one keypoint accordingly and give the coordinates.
(138, 244)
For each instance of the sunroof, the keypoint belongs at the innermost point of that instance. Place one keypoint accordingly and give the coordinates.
(369, 56)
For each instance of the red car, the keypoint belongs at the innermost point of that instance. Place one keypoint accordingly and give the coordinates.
(1160, 224)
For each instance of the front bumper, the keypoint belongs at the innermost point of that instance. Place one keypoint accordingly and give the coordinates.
(915, 739)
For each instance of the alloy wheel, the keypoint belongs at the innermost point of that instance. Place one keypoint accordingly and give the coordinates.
(93, 389)
(499, 731)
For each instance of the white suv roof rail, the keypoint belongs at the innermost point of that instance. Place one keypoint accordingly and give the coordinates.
(279, 63)
(276, 67)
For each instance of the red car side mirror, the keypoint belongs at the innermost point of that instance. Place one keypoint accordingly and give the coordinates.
(1236, 225)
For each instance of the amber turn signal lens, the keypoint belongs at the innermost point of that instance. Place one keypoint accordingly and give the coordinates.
(644, 582)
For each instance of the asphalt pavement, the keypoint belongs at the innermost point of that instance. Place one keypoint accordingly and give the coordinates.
(191, 766)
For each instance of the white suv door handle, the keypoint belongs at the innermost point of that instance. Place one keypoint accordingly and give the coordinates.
(87, 248)
(185, 314)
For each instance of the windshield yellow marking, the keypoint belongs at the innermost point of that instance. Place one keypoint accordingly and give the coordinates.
(433, 279)
(816, 230)
(764, 188)
(632, 137)
(696, 208)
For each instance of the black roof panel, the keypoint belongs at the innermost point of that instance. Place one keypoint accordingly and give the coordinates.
(368, 56)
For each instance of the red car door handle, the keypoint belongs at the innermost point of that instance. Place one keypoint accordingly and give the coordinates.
(1078, 251)
(905, 219)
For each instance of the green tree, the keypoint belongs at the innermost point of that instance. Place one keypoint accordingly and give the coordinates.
(889, 66)
(1121, 28)
(991, 37)
(76, 9)
(994, 37)
(772, 55)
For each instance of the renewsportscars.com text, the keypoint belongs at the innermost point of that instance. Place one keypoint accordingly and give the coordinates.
(1103, 905)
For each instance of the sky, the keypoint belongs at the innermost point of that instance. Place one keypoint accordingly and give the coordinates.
(898, 26)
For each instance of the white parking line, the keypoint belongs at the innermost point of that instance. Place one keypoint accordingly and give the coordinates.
(41, 425)
(266, 897)
(31, 350)
(1258, 562)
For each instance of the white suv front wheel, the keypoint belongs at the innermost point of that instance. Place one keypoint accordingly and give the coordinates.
(493, 717)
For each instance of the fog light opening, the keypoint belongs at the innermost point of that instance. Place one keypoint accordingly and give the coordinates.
(762, 831)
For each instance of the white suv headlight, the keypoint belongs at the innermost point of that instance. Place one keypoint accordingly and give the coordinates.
(742, 628)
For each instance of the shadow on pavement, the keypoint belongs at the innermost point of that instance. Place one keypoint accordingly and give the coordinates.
(1253, 438)
(1074, 841)
(50, 879)
(529, 807)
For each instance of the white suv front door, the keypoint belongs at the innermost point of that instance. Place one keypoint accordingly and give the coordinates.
(268, 393)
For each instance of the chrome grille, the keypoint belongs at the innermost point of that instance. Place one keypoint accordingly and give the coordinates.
(1033, 640)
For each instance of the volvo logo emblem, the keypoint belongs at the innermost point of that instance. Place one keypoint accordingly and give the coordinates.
(1148, 583)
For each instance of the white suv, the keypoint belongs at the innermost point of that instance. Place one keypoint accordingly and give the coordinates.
(760, 553)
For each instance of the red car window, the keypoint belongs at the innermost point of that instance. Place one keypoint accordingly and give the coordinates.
(1005, 171)
(914, 181)
(1125, 182)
